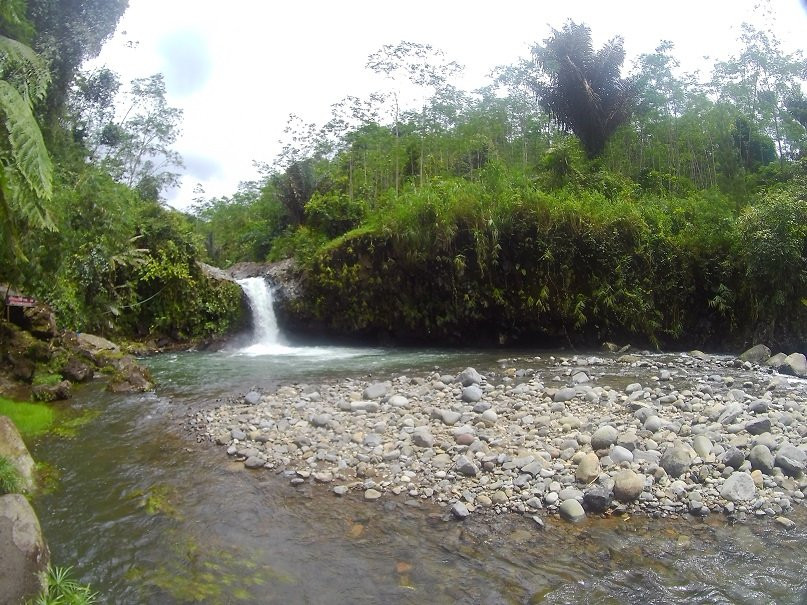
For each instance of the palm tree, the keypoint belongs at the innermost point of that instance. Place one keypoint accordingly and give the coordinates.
(582, 89)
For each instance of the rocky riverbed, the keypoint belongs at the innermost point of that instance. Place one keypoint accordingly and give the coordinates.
(664, 435)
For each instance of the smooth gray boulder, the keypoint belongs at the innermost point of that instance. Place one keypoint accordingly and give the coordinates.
(733, 457)
(468, 377)
(597, 499)
(13, 449)
(572, 510)
(422, 437)
(791, 459)
(756, 354)
(676, 461)
(24, 556)
(471, 394)
(628, 485)
(739, 487)
(795, 364)
(588, 469)
(375, 391)
(562, 395)
(465, 467)
(604, 437)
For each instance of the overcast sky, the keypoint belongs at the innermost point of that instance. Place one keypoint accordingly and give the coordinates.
(238, 69)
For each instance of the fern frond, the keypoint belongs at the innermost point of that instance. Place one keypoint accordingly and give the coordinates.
(17, 59)
(23, 203)
(28, 149)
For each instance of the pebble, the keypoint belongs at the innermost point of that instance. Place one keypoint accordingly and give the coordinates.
(572, 510)
(509, 443)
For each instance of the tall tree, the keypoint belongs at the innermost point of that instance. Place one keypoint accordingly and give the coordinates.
(583, 89)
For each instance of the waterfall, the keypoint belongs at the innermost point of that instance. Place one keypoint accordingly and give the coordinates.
(264, 321)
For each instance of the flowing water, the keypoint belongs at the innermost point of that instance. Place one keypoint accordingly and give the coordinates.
(148, 515)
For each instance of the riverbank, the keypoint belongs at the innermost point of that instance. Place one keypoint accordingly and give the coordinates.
(663, 435)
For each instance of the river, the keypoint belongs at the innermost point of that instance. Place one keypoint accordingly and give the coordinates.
(148, 515)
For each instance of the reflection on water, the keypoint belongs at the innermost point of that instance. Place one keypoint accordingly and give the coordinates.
(148, 516)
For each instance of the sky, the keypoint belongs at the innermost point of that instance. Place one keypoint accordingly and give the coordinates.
(238, 69)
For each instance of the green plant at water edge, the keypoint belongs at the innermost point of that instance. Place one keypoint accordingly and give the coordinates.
(31, 419)
(46, 379)
(64, 590)
(10, 480)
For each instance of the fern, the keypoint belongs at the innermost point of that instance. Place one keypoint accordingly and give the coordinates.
(20, 64)
(28, 149)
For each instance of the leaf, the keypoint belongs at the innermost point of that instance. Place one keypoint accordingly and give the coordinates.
(27, 146)
(17, 58)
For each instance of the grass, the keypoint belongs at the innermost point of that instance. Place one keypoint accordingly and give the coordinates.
(31, 419)
(62, 588)
(10, 480)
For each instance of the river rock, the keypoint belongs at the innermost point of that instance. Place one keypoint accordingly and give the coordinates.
(372, 494)
(375, 391)
(794, 364)
(604, 437)
(791, 459)
(398, 401)
(739, 487)
(597, 499)
(252, 398)
(129, 376)
(471, 394)
(459, 510)
(24, 556)
(468, 377)
(76, 370)
(758, 426)
(776, 361)
(652, 424)
(466, 467)
(676, 461)
(489, 417)
(13, 449)
(52, 392)
(619, 454)
(562, 395)
(572, 510)
(96, 347)
(756, 354)
(628, 485)
(702, 446)
(733, 457)
(589, 468)
(254, 462)
(422, 437)
(730, 413)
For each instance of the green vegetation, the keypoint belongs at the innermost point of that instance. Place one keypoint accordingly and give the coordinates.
(571, 199)
(31, 419)
(84, 185)
(564, 202)
(10, 480)
(63, 589)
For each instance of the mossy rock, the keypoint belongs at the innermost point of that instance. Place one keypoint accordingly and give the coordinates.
(52, 392)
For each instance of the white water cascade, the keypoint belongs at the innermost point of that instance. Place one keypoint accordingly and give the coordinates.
(264, 321)
(267, 339)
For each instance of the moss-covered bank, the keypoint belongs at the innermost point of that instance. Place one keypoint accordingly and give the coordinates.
(501, 262)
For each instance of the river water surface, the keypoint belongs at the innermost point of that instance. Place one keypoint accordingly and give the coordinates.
(148, 515)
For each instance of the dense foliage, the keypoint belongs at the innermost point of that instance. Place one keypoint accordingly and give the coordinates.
(563, 202)
(83, 185)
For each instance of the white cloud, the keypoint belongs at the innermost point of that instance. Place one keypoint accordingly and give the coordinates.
(238, 70)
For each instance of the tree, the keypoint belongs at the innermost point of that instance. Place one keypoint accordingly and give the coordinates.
(26, 173)
(582, 89)
(137, 148)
